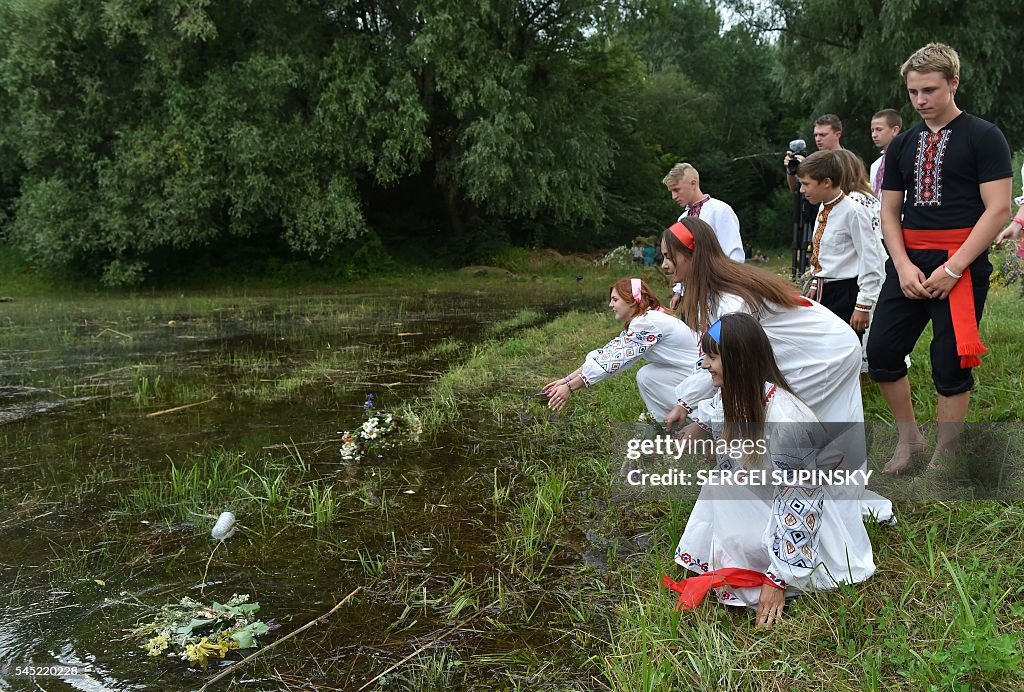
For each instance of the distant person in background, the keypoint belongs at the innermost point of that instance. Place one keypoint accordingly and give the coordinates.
(638, 253)
(648, 255)
(828, 130)
(885, 125)
(853, 179)
(648, 333)
(683, 183)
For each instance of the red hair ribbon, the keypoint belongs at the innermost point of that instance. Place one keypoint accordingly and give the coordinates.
(693, 589)
(682, 234)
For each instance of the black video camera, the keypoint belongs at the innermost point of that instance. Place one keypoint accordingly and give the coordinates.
(797, 146)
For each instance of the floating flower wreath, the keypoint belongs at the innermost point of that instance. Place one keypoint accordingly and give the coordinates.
(379, 431)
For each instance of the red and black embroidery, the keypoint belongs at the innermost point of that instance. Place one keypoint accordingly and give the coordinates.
(694, 209)
(931, 150)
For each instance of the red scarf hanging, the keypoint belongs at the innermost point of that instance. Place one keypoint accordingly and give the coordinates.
(961, 298)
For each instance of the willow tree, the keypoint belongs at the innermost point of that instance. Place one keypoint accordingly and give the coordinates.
(134, 126)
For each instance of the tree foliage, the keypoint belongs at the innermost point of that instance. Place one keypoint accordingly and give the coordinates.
(142, 126)
(136, 135)
(845, 57)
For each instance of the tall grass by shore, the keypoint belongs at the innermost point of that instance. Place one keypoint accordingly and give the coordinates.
(945, 610)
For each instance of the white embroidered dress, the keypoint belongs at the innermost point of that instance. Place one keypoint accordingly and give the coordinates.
(818, 353)
(820, 357)
(804, 537)
(669, 346)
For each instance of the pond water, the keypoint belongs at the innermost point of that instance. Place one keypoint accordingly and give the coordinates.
(96, 530)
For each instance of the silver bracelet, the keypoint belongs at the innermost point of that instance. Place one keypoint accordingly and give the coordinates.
(949, 272)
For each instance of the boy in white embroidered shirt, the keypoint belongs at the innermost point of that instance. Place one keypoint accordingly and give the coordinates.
(847, 257)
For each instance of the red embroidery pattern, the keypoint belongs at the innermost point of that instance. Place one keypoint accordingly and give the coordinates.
(694, 209)
(826, 209)
(931, 150)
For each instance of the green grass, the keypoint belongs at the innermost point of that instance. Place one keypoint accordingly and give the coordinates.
(943, 610)
(513, 527)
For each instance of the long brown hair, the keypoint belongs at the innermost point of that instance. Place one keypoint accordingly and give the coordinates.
(748, 362)
(853, 176)
(648, 301)
(712, 273)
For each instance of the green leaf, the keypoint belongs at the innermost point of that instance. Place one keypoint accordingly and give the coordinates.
(193, 624)
(246, 636)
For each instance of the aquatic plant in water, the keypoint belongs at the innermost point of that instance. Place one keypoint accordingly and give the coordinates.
(196, 632)
(379, 431)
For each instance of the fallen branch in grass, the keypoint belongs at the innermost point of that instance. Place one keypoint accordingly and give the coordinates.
(227, 671)
(180, 408)
(432, 643)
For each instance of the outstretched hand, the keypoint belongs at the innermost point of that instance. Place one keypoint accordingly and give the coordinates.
(550, 386)
(1011, 232)
(558, 397)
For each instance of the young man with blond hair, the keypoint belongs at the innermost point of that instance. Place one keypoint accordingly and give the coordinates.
(683, 183)
(885, 125)
(945, 196)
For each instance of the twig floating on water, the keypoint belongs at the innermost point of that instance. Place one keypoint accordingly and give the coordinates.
(115, 332)
(224, 673)
(286, 445)
(180, 408)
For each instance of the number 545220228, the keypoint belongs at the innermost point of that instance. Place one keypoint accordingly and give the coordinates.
(33, 671)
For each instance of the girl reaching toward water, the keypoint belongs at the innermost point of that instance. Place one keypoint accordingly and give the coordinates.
(757, 543)
(669, 346)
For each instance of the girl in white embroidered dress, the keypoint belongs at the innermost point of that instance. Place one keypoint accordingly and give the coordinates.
(669, 346)
(800, 536)
(819, 354)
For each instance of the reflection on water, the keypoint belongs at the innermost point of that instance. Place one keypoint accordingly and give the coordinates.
(79, 384)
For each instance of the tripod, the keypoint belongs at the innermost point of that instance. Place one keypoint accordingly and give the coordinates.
(803, 231)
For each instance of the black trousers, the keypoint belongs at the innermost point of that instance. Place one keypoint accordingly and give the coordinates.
(899, 322)
(840, 296)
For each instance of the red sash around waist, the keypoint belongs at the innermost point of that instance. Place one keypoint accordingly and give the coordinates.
(693, 589)
(961, 298)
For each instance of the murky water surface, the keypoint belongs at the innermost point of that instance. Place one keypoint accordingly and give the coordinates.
(266, 382)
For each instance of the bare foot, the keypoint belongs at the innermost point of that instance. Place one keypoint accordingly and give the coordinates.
(902, 456)
(942, 459)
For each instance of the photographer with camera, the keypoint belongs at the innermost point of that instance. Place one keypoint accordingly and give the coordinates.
(828, 129)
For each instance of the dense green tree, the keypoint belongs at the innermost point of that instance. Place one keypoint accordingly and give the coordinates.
(845, 57)
(140, 127)
(709, 98)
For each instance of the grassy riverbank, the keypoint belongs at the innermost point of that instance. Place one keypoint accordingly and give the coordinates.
(943, 611)
(493, 554)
